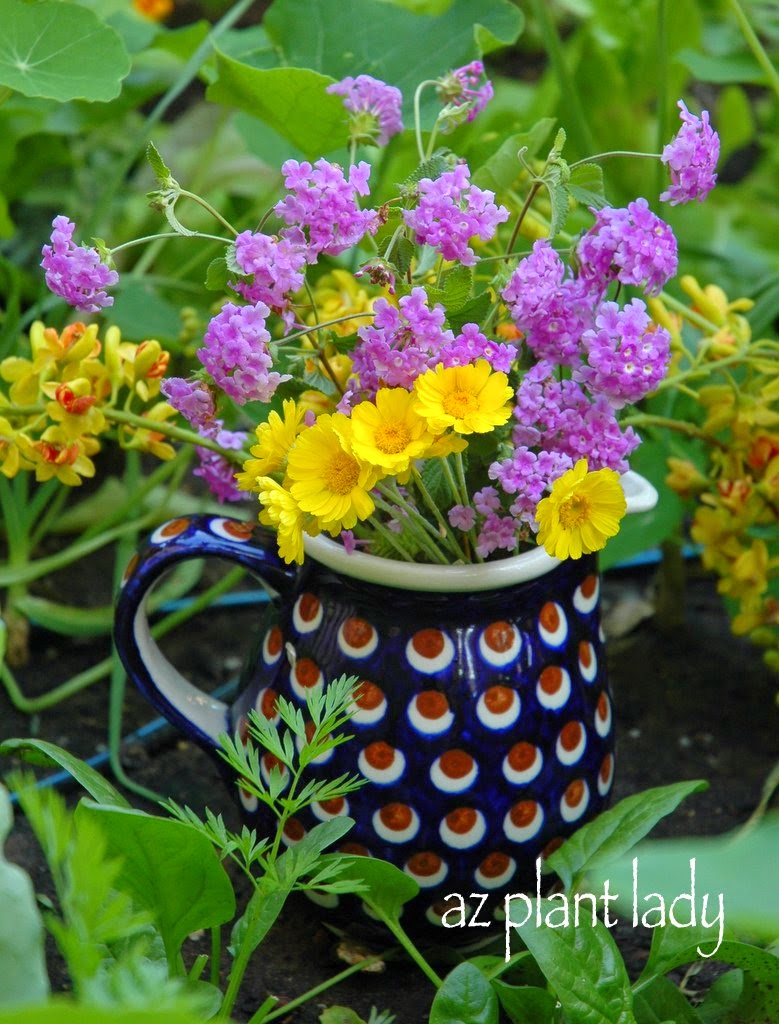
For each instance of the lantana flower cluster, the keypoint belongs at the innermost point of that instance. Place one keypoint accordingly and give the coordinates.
(429, 394)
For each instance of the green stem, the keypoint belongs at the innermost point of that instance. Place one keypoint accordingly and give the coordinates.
(577, 119)
(525, 207)
(147, 239)
(755, 45)
(661, 88)
(423, 530)
(689, 314)
(391, 539)
(397, 930)
(317, 990)
(613, 152)
(209, 209)
(188, 73)
(216, 954)
(172, 431)
(444, 527)
(645, 419)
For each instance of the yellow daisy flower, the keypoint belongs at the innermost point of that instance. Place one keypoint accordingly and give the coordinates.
(327, 479)
(282, 512)
(389, 433)
(275, 437)
(581, 513)
(469, 399)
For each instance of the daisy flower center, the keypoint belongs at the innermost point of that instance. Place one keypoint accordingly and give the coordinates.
(341, 473)
(460, 404)
(574, 511)
(392, 438)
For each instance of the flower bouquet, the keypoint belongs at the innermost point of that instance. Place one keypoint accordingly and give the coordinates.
(417, 386)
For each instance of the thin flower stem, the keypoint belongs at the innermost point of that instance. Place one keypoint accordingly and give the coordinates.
(209, 209)
(689, 314)
(645, 419)
(390, 538)
(613, 152)
(755, 45)
(527, 204)
(418, 525)
(167, 234)
(172, 431)
(418, 117)
(445, 528)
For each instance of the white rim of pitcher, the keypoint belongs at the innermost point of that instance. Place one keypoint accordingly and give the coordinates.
(641, 496)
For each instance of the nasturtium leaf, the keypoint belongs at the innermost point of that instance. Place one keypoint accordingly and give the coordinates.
(722, 68)
(618, 829)
(583, 966)
(60, 51)
(168, 868)
(385, 41)
(41, 752)
(466, 997)
(293, 101)
(23, 977)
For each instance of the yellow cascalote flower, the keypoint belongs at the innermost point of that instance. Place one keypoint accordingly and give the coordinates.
(388, 433)
(582, 511)
(326, 477)
(470, 399)
(275, 438)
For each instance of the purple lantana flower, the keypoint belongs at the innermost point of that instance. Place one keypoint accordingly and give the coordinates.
(365, 95)
(235, 353)
(324, 202)
(463, 87)
(631, 245)
(276, 265)
(451, 211)
(192, 398)
(75, 272)
(215, 469)
(691, 158)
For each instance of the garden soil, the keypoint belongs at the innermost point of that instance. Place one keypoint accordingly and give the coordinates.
(691, 701)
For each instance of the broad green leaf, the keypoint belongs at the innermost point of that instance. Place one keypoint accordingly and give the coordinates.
(586, 185)
(734, 120)
(724, 993)
(387, 887)
(473, 312)
(386, 41)
(266, 903)
(499, 171)
(423, 6)
(48, 755)
(457, 287)
(584, 968)
(465, 997)
(168, 867)
(741, 868)
(60, 51)
(217, 275)
(617, 830)
(293, 101)
(525, 1004)
(23, 977)
(662, 1001)
(722, 68)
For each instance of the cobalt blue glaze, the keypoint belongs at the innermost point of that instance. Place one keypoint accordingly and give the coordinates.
(483, 719)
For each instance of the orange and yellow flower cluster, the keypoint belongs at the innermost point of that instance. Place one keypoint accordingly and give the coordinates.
(70, 392)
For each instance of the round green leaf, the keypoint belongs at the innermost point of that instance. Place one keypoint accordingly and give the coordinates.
(61, 51)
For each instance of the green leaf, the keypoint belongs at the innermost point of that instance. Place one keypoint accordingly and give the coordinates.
(473, 312)
(662, 1001)
(724, 993)
(23, 977)
(217, 274)
(266, 903)
(303, 857)
(158, 165)
(584, 968)
(168, 867)
(617, 830)
(62, 1011)
(48, 755)
(465, 997)
(501, 170)
(386, 41)
(60, 51)
(586, 185)
(525, 1004)
(339, 1015)
(293, 101)
(722, 68)
(387, 888)
(457, 284)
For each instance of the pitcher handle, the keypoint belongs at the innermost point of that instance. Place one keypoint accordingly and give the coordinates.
(196, 713)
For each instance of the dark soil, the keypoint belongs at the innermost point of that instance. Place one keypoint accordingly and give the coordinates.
(693, 702)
